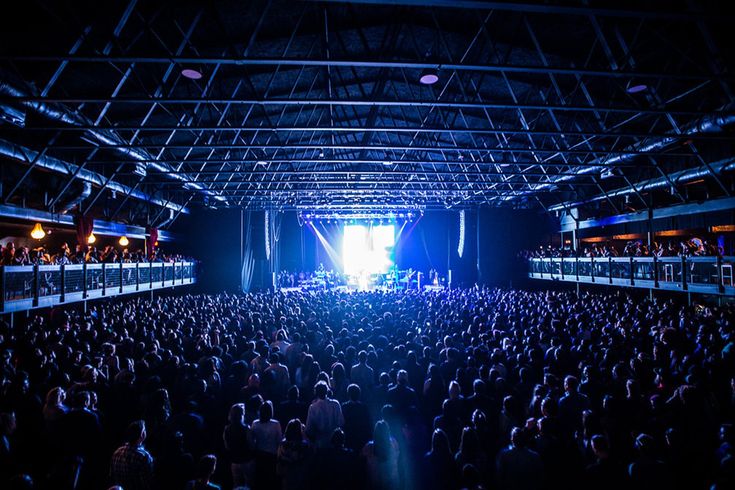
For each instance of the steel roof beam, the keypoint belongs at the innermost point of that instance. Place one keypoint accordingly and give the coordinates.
(684, 15)
(459, 149)
(377, 64)
(354, 102)
(378, 129)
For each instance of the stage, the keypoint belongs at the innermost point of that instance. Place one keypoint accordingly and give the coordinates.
(352, 289)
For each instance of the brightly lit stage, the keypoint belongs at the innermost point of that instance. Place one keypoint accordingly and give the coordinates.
(352, 289)
(361, 256)
(392, 250)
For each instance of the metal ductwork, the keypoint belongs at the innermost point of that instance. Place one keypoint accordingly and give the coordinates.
(60, 113)
(717, 122)
(9, 90)
(682, 177)
(171, 216)
(12, 115)
(26, 155)
(76, 199)
(101, 227)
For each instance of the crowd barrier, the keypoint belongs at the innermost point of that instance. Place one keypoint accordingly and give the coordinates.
(37, 286)
(707, 275)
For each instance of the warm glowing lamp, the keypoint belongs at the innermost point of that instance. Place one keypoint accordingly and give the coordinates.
(124, 241)
(91, 238)
(37, 232)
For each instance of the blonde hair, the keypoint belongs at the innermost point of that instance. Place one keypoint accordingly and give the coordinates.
(55, 396)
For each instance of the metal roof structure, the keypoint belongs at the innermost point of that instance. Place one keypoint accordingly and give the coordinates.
(153, 107)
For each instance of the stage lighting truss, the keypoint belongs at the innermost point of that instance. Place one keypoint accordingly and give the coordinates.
(402, 128)
(352, 216)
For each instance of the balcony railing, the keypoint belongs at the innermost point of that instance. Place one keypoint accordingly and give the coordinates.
(708, 275)
(36, 286)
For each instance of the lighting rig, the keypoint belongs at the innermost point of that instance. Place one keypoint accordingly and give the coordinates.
(353, 216)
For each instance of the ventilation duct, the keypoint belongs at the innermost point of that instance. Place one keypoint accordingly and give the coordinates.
(12, 115)
(75, 200)
(26, 155)
(711, 123)
(108, 137)
(682, 177)
(167, 220)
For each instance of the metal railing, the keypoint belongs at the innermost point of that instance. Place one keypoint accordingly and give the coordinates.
(708, 275)
(35, 286)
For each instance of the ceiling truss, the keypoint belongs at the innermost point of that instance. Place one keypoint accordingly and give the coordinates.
(306, 103)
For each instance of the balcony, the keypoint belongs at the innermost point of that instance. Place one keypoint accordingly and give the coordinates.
(706, 275)
(39, 286)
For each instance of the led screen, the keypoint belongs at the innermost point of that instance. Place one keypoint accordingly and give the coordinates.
(367, 249)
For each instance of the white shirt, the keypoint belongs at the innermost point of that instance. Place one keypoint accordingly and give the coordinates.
(266, 436)
(324, 416)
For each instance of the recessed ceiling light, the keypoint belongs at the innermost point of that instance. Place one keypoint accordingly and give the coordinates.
(636, 88)
(191, 73)
(261, 162)
(429, 76)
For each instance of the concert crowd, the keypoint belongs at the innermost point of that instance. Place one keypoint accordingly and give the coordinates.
(12, 255)
(451, 389)
(694, 247)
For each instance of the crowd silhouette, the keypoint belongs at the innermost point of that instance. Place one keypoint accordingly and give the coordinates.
(451, 389)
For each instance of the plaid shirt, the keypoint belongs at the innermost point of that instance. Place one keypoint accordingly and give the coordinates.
(132, 468)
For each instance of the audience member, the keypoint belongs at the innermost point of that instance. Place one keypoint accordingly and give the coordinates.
(559, 389)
